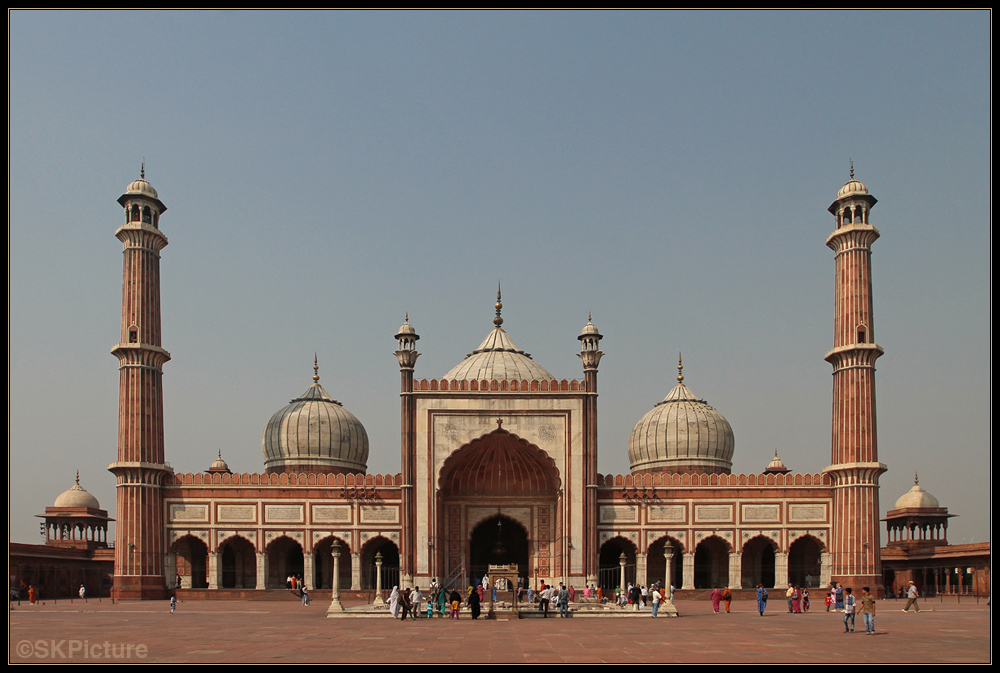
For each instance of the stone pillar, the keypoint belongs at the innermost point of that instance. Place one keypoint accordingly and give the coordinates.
(824, 569)
(735, 570)
(355, 571)
(261, 571)
(170, 572)
(214, 570)
(668, 564)
(335, 605)
(378, 602)
(781, 569)
(640, 569)
(621, 562)
(688, 570)
(309, 569)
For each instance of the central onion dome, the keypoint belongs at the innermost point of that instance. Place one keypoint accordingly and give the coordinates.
(498, 359)
(682, 434)
(76, 496)
(314, 433)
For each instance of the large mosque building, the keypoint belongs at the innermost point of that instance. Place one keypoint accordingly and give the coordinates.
(498, 466)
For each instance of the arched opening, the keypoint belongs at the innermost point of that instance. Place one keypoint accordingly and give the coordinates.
(146, 215)
(192, 563)
(390, 563)
(656, 563)
(284, 559)
(609, 563)
(239, 564)
(323, 564)
(498, 540)
(498, 470)
(711, 563)
(804, 561)
(134, 213)
(758, 562)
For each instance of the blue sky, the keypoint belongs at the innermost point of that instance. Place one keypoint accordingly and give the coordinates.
(668, 172)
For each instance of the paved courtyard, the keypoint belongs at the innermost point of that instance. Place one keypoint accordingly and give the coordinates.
(285, 632)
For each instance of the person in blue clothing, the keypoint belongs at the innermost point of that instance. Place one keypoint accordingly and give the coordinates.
(761, 599)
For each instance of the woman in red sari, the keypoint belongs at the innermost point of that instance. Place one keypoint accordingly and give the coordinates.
(796, 599)
(716, 597)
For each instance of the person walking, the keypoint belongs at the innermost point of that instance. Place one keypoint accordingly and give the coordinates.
(868, 611)
(911, 597)
(849, 603)
(716, 597)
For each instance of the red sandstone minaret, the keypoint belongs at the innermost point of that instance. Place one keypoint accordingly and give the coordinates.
(590, 354)
(855, 468)
(140, 468)
(407, 356)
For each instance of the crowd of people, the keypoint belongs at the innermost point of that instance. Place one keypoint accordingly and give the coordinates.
(406, 602)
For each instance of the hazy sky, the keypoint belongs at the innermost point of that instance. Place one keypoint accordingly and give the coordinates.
(669, 172)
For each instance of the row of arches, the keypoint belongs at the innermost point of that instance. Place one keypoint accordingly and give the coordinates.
(146, 215)
(709, 565)
(238, 564)
(852, 214)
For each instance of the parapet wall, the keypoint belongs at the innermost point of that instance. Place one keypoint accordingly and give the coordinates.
(652, 480)
(310, 479)
(487, 386)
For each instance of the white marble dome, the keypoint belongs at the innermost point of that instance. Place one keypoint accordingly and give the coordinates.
(76, 496)
(314, 433)
(916, 497)
(682, 434)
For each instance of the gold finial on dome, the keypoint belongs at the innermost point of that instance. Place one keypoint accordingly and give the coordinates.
(78, 477)
(498, 320)
(916, 479)
(680, 369)
(315, 368)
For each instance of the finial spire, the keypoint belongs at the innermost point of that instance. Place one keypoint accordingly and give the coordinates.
(680, 369)
(498, 320)
(852, 169)
(142, 171)
(315, 368)
(916, 479)
(78, 477)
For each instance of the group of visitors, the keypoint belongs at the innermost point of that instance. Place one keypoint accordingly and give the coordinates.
(719, 596)
(838, 599)
(798, 599)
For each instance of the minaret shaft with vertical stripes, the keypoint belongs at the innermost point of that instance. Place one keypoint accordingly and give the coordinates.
(140, 468)
(855, 468)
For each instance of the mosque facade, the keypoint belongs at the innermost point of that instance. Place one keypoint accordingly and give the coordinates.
(498, 465)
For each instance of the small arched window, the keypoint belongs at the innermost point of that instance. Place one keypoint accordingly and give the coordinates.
(134, 214)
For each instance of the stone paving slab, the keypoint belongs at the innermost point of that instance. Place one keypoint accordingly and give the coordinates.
(286, 632)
